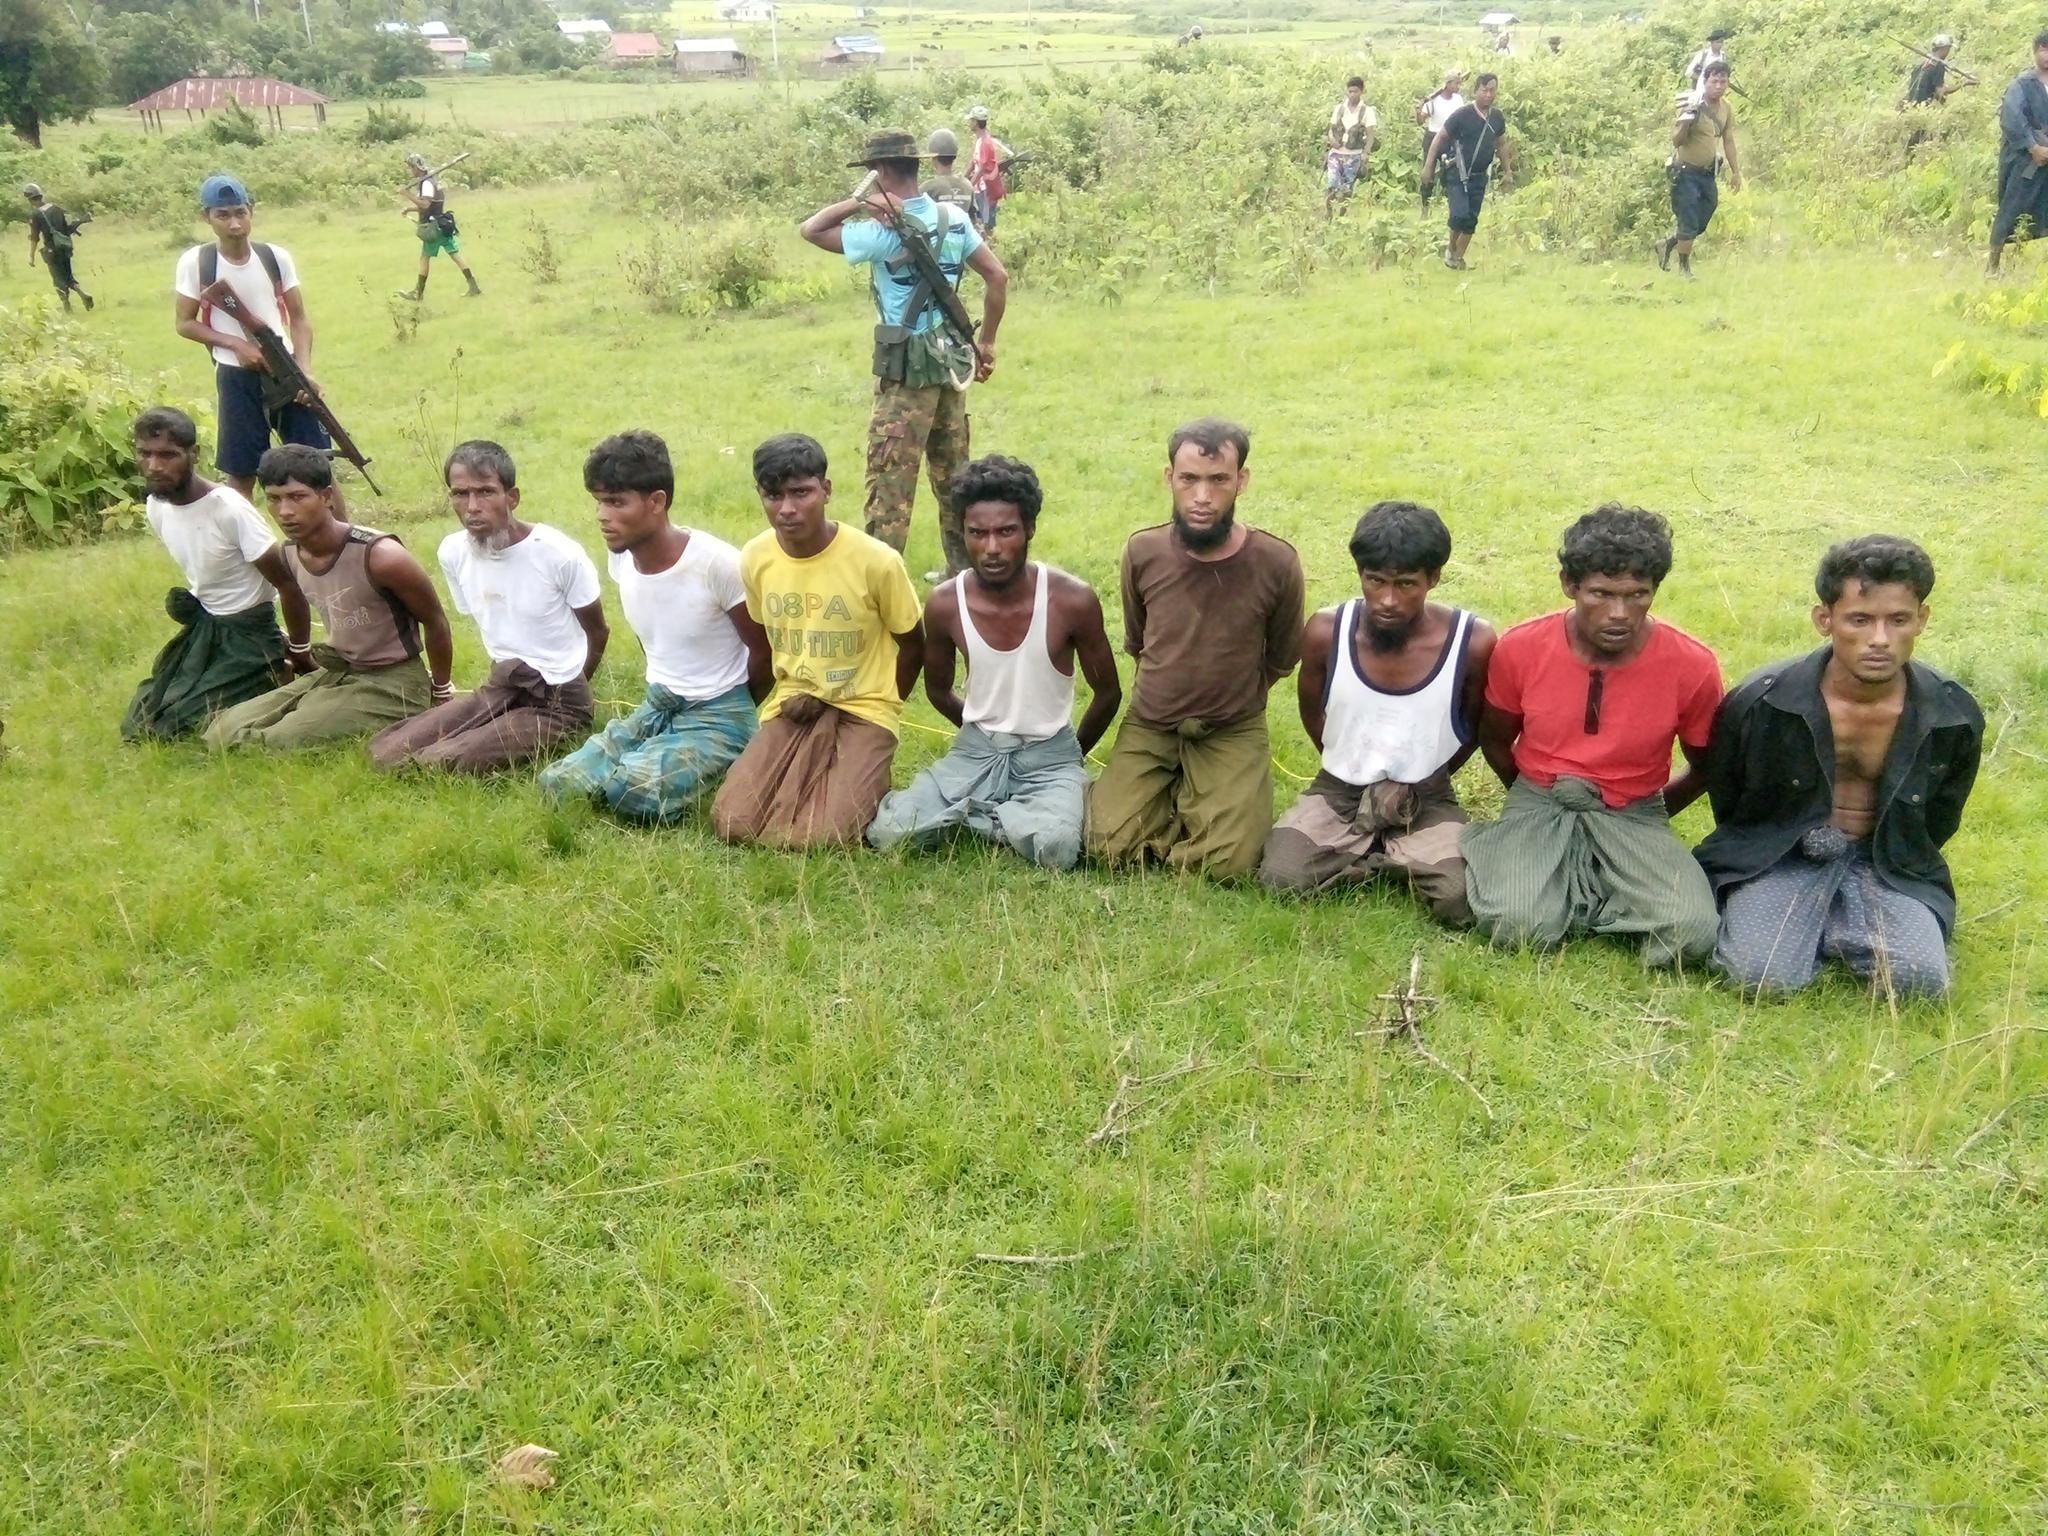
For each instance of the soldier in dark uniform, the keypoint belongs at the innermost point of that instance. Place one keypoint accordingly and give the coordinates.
(49, 227)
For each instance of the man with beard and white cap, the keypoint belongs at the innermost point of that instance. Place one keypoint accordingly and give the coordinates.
(534, 595)
(1212, 611)
(1392, 687)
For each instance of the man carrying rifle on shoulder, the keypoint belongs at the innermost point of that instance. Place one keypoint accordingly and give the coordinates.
(265, 284)
(436, 225)
(927, 351)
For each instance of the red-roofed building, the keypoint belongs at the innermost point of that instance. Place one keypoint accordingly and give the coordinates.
(205, 93)
(634, 48)
(448, 52)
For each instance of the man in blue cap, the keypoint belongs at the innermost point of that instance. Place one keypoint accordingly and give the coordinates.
(264, 279)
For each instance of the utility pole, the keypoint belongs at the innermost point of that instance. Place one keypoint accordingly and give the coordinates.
(307, 17)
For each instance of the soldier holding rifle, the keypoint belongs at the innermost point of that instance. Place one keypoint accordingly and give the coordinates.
(265, 284)
(2022, 151)
(53, 230)
(436, 223)
(927, 351)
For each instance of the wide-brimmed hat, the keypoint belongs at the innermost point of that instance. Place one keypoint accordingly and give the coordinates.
(889, 144)
(1718, 35)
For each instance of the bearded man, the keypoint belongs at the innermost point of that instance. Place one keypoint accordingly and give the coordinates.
(1212, 612)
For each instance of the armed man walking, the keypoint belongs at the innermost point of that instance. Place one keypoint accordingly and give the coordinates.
(51, 228)
(926, 350)
(436, 226)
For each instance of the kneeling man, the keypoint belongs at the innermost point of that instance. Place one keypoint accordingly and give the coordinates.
(1391, 688)
(376, 603)
(227, 648)
(707, 660)
(1212, 611)
(843, 625)
(1014, 774)
(534, 595)
(1835, 778)
(1581, 710)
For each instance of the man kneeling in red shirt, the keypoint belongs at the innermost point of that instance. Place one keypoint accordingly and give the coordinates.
(1581, 710)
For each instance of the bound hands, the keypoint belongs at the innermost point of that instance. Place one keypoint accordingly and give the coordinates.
(802, 708)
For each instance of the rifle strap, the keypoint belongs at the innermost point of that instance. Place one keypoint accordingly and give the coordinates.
(922, 296)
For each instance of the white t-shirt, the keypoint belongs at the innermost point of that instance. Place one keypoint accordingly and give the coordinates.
(1439, 110)
(252, 286)
(523, 598)
(680, 616)
(214, 540)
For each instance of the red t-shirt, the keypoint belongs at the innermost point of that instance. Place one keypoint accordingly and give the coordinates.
(1670, 688)
(985, 169)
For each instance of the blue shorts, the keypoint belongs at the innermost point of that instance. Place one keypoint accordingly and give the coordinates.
(1694, 197)
(1464, 199)
(245, 428)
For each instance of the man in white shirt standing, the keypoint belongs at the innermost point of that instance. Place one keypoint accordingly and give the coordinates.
(267, 283)
(1354, 128)
(1014, 774)
(227, 648)
(1433, 111)
(707, 659)
(534, 595)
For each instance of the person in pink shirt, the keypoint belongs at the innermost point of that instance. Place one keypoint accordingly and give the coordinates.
(985, 170)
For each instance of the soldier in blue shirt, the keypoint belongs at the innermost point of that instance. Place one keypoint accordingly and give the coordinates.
(921, 372)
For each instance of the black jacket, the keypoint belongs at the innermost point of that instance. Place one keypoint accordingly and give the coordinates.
(1770, 776)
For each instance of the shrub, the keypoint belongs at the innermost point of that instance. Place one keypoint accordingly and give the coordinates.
(736, 268)
(233, 124)
(388, 125)
(67, 466)
(540, 258)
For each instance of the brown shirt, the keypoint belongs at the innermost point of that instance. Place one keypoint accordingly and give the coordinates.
(366, 625)
(1701, 146)
(1211, 636)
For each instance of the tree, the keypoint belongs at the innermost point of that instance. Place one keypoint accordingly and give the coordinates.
(48, 71)
(145, 52)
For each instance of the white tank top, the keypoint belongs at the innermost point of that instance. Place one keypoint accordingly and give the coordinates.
(1020, 692)
(1370, 735)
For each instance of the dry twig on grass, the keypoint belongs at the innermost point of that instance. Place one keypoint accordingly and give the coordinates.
(1116, 1118)
(1041, 1259)
(1415, 1006)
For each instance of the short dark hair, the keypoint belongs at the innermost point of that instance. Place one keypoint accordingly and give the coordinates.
(2041, 39)
(1357, 80)
(1488, 78)
(996, 478)
(1400, 536)
(167, 421)
(481, 456)
(897, 166)
(1717, 67)
(630, 461)
(785, 457)
(1874, 560)
(295, 461)
(1613, 540)
(1211, 434)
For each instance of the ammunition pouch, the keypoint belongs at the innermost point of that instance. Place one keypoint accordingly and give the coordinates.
(892, 353)
(437, 226)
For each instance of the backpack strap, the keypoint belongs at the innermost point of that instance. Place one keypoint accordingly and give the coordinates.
(209, 272)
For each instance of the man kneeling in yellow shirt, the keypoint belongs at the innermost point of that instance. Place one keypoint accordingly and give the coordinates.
(843, 626)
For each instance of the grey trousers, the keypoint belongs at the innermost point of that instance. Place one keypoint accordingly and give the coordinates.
(1823, 901)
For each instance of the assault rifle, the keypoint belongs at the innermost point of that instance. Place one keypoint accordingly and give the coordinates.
(952, 313)
(435, 173)
(283, 379)
(1949, 63)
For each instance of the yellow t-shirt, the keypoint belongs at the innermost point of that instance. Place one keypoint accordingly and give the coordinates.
(1701, 146)
(832, 621)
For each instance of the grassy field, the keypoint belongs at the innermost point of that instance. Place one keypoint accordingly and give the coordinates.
(360, 1130)
(1008, 45)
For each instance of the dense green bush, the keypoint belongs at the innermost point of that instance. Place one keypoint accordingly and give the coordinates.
(67, 468)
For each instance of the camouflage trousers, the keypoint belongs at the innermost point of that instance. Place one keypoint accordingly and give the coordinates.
(911, 424)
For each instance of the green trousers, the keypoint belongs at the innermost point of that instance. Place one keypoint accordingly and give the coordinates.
(333, 704)
(1192, 796)
(1560, 861)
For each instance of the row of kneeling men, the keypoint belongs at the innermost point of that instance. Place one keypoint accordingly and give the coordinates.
(776, 676)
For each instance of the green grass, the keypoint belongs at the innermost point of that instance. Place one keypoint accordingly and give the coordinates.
(361, 1130)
